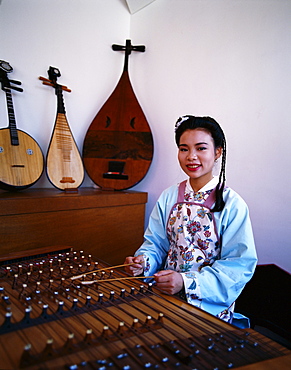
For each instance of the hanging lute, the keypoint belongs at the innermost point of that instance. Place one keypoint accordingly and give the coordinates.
(118, 146)
(21, 159)
(64, 165)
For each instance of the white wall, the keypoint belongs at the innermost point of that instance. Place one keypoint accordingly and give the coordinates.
(229, 59)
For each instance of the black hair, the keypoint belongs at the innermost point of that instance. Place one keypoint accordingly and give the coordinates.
(189, 122)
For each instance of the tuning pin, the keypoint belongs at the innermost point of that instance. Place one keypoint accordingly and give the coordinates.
(44, 313)
(24, 286)
(88, 300)
(50, 284)
(26, 319)
(79, 290)
(8, 271)
(135, 324)
(122, 293)
(26, 357)
(69, 345)
(7, 321)
(105, 332)
(121, 328)
(48, 351)
(14, 285)
(28, 274)
(67, 294)
(100, 298)
(75, 304)
(111, 296)
(110, 274)
(6, 300)
(60, 309)
(19, 269)
(39, 278)
(149, 320)
(88, 337)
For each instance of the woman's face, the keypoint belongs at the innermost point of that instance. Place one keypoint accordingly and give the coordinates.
(197, 155)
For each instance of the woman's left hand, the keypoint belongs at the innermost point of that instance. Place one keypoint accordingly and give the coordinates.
(169, 281)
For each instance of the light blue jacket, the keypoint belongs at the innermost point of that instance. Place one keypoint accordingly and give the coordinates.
(222, 282)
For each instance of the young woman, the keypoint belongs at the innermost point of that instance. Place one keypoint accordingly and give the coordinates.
(199, 242)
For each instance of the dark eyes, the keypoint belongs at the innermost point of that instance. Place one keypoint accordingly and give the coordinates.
(201, 148)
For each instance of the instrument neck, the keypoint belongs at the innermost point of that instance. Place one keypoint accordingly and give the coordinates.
(11, 117)
(60, 100)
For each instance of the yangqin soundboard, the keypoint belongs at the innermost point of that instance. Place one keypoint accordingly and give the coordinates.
(64, 309)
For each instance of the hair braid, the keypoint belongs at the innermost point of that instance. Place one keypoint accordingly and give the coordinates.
(220, 203)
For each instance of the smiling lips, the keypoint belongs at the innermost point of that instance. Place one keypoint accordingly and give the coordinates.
(193, 167)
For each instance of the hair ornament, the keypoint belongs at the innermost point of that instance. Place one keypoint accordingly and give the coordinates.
(180, 121)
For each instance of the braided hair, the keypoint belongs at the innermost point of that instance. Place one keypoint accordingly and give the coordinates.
(189, 122)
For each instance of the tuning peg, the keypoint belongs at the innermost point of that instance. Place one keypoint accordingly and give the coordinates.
(15, 82)
(14, 88)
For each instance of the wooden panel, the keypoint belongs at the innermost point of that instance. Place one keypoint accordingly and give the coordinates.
(109, 225)
(45, 200)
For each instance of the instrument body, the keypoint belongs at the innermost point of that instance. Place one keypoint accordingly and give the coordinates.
(118, 146)
(64, 165)
(21, 159)
(56, 322)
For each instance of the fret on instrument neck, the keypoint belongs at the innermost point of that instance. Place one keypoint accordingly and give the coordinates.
(11, 118)
(60, 100)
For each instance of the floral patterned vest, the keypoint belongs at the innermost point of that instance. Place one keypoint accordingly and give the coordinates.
(191, 232)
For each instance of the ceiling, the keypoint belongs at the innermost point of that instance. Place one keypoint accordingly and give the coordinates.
(133, 5)
(136, 5)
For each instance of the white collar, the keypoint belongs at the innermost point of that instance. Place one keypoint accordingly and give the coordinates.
(209, 186)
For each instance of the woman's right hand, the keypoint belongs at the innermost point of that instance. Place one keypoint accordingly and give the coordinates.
(137, 265)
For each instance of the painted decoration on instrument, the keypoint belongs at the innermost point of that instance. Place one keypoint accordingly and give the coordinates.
(21, 159)
(64, 165)
(118, 146)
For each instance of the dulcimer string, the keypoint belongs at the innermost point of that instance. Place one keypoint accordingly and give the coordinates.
(202, 323)
(134, 318)
(101, 269)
